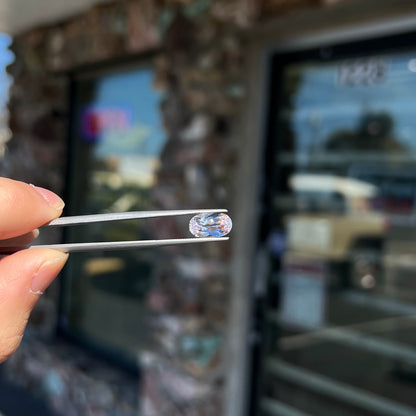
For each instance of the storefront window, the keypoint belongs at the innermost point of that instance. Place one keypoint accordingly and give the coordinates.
(116, 142)
(339, 330)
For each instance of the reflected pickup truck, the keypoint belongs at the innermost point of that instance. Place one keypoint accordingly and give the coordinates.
(334, 221)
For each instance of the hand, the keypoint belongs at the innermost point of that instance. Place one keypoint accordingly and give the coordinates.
(26, 274)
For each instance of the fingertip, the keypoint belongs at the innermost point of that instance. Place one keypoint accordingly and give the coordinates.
(22, 275)
(30, 270)
(24, 207)
(53, 262)
(19, 241)
(50, 197)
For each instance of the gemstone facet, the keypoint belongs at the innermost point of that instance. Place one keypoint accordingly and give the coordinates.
(210, 225)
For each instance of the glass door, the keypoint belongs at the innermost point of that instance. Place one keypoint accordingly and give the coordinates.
(339, 315)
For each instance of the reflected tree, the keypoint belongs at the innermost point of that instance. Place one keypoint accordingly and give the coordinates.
(374, 132)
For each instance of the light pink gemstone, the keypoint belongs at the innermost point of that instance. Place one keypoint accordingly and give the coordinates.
(210, 225)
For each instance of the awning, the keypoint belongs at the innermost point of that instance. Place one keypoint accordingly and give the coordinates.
(17, 16)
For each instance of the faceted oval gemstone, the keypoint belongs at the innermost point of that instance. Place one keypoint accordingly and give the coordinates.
(210, 225)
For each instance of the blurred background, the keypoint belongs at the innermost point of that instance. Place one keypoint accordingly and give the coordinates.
(295, 115)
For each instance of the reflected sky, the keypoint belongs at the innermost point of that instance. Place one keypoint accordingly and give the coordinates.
(322, 105)
(131, 94)
(6, 57)
(121, 120)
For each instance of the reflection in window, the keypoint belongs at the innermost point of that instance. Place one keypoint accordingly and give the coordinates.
(327, 113)
(6, 57)
(341, 297)
(117, 140)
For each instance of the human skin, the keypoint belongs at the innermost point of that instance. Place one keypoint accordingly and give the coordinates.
(26, 274)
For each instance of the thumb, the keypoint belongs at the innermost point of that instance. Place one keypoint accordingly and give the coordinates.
(23, 278)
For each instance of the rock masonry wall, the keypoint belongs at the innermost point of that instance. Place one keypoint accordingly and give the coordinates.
(200, 69)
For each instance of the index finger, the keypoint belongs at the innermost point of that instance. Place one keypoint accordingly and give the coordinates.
(24, 207)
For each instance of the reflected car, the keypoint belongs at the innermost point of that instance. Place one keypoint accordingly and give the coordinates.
(334, 221)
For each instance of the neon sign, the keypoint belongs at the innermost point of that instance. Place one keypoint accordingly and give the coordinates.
(96, 121)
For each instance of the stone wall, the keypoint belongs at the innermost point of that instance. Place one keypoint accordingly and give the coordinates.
(200, 67)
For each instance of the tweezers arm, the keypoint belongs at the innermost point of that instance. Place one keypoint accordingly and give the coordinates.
(126, 245)
(132, 215)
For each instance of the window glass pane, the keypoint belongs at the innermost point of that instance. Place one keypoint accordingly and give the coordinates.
(117, 142)
(340, 332)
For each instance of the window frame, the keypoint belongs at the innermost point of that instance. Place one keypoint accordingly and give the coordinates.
(324, 50)
(73, 77)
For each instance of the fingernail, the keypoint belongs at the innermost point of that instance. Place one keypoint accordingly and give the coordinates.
(52, 199)
(46, 273)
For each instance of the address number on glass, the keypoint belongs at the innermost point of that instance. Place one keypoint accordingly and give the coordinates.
(356, 72)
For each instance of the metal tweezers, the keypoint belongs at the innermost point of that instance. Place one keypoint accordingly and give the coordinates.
(125, 245)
